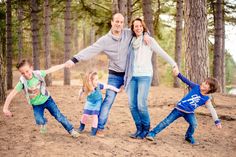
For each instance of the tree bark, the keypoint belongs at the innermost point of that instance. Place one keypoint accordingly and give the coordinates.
(196, 53)
(19, 29)
(129, 11)
(124, 11)
(2, 75)
(115, 7)
(120, 6)
(9, 43)
(223, 49)
(178, 38)
(148, 19)
(47, 40)
(67, 41)
(218, 49)
(35, 33)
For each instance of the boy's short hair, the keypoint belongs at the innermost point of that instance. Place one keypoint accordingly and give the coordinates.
(213, 84)
(22, 63)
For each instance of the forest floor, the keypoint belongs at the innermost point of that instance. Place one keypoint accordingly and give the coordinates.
(19, 136)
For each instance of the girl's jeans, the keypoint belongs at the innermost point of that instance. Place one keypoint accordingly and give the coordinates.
(138, 94)
(51, 106)
(175, 114)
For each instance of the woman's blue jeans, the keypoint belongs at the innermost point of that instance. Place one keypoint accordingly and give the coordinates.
(138, 90)
(116, 81)
(175, 114)
(51, 106)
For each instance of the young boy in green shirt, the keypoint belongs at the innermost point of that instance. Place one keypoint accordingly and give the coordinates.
(34, 86)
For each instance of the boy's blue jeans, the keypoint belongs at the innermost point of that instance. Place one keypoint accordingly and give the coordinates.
(138, 94)
(175, 114)
(116, 81)
(51, 106)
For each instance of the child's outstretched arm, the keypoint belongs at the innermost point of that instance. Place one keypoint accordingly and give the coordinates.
(182, 78)
(9, 98)
(106, 86)
(55, 68)
(213, 114)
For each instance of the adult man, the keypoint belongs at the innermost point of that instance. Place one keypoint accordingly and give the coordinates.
(115, 45)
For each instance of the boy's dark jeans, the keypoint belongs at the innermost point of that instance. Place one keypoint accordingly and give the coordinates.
(51, 106)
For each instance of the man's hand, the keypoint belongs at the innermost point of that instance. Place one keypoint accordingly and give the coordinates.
(7, 113)
(69, 64)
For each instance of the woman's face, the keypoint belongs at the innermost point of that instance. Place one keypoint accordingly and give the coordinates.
(138, 28)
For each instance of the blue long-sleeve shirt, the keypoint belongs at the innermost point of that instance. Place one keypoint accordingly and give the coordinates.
(193, 99)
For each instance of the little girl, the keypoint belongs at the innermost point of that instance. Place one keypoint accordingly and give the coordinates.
(92, 89)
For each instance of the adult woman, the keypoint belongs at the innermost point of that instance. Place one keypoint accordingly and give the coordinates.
(138, 76)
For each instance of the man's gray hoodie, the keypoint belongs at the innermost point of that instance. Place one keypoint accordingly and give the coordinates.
(116, 48)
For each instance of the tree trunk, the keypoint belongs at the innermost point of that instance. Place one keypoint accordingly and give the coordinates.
(157, 20)
(67, 41)
(148, 19)
(84, 34)
(2, 74)
(196, 54)
(115, 7)
(129, 11)
(217, 62)
(120, 6)
(124, 11)
(35, 33)
(92, 35)
(178, 38)
(223, 49)
(9, 44)
(47, 40)
(19, 29)
(76, 34)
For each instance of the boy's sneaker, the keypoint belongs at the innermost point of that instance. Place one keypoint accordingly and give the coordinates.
(43, 129)
(74, 133)
(150, 137)
(191, 141)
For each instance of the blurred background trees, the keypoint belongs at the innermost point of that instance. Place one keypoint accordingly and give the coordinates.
(51, 32)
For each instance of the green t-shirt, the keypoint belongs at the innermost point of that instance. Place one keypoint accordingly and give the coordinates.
(36, 98)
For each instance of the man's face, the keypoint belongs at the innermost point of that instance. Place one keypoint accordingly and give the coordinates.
(26, 71)
(117, 23)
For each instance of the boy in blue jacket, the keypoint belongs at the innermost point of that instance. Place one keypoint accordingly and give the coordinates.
(196, 97)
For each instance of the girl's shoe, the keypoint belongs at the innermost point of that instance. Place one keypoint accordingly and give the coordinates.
(93, 131)
(81, 127)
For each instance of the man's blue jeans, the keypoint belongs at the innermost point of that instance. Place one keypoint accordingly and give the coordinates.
(51, 106)
(116, 81)
(138, 90)
(175, 114)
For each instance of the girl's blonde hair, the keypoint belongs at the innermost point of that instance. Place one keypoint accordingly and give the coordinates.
(87, 82)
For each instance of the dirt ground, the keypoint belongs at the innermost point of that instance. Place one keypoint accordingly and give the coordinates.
(19, 136)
